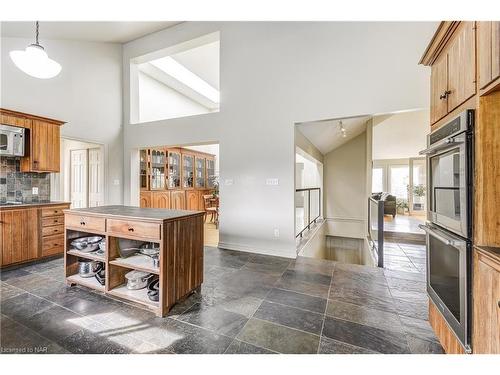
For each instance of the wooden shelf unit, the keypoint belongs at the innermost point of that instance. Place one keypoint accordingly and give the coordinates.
(187, 176)
(181, 255)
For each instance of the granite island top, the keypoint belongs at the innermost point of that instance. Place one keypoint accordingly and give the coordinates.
(11, 205)
(135, 212)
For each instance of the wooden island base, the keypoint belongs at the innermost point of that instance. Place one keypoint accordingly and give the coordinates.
(179, 235)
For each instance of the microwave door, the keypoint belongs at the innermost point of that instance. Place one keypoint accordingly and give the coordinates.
(4, 143)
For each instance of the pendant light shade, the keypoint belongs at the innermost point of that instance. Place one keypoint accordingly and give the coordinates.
(34, 61)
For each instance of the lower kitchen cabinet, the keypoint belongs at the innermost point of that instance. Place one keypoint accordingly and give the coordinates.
(178, 200)
(19, 233)
(175, 199)
(29, 233)
(192, 200)
(486, 301)
(145, 199)
(161, 199)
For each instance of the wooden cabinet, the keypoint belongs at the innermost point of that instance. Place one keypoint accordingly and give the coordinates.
(161, 199)
(453, 70)
(19, 235)
(488, 48)
(192, 200)
(178, 200)
(439, 88)
(145, 199)
(486, 302)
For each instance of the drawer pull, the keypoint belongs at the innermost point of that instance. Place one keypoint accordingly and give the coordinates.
(82, 222)
(56, 221)
(499, 304)
(130, 229)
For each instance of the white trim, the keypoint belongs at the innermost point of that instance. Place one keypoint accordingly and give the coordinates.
(254, 250)
(346, 219)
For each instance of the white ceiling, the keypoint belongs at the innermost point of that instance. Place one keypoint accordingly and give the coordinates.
(326, 135)
(109, 32)
(202, 61)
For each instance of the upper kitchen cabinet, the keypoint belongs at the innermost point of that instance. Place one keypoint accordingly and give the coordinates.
(451, 56)
(42, 148)
(488, 48)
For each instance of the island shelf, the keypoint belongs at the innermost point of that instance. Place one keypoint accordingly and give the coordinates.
(178, 233)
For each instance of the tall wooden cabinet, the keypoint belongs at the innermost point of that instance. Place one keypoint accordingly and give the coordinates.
(42, 148)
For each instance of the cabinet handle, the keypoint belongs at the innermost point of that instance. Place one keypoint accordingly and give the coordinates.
(82, 222)
(445, 95)
(499, 303)
(130, 229)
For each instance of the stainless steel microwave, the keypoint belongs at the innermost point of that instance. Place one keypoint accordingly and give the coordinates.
(11, 141)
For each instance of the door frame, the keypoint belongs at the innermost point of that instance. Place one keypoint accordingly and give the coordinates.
(57, 180)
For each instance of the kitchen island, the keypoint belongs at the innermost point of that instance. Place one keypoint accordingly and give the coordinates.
(177, 234)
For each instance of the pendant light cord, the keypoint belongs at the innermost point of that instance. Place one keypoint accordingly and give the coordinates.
(36, 33)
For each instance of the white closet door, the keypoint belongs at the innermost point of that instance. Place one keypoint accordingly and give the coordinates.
(96, 176)
(78, 179)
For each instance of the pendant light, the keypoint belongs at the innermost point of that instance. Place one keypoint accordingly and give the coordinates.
(34, 61)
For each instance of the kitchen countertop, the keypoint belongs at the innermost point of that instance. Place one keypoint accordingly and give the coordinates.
(494, 252)
(4, 206)
(135, 212)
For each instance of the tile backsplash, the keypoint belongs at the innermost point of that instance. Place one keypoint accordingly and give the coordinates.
(18, 186)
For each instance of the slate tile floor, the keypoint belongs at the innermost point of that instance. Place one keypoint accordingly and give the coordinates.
(247, 304)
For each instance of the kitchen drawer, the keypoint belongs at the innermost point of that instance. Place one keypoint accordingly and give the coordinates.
(86, 222)
(53, 211)
(53, 230)
(50, 221)
(136, 228)
(52, 245)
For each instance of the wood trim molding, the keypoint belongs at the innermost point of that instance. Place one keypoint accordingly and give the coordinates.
(441, 37)
(10, 112)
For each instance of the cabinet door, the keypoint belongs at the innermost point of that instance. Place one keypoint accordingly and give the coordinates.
(439, 86)
(484, 52)
(199, 172)
(45, 148)
(145, 199)
(187, 171)
(486, 308)
(461, 66)
(178, 200)
(192, 200)
(19, 235)
(161, 200)
(495, 50)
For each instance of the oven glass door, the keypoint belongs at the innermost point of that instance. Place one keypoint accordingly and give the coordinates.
(448, 189)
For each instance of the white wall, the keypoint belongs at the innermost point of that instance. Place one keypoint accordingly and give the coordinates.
(345, 181)
(86, 94)
(158, 101)
(401, 135)
(305, 144)
(273, 75)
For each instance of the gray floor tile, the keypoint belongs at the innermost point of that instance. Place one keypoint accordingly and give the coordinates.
(364, 315)
(299, 300)
(225, 258)
(240, 304)
(9, 291)
(367, 299)
(330, 346)
(419, 346)
(415, 276)
(312, 265)
(418, 328)
(308, 277)
(240, 347)
(215, 319)
(291, 317)
(409, 295)
(263, 263)
(418, 310)
(407, 285)
(23, 306)
(366, 337)
(6, 275)
(312, 289)
(278, 338)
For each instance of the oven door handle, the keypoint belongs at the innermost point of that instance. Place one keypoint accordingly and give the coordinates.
(445, 143)
(440, 236)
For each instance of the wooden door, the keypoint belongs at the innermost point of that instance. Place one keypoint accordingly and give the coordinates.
(486, 305)
(161, 199)
(187, 171)
(78, 178)
(439, 87)
(145, 199)
(45, 149)
(462, 66)
(178, 200)
(192, 200)
(96, 177)
(19, 235)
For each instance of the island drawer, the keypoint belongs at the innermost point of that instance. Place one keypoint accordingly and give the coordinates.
(86, 222)
(52, 245)
(135, 228)
(55, 220)
(53, 211)
(52, 230)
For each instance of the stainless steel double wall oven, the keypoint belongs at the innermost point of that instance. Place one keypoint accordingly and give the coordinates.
(450, 175)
